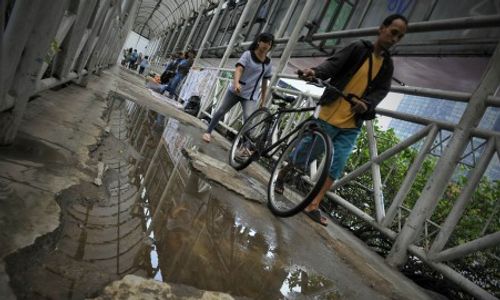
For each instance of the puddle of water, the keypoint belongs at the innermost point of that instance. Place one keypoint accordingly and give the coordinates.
(202, 235)
(206, 237)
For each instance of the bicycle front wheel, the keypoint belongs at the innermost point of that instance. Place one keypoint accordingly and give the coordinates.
(250, 139)
(300, 172)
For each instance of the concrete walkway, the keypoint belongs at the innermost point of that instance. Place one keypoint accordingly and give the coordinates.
(211, 234)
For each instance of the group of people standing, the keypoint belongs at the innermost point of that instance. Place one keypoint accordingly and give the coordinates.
(175, 70)
(132, 60)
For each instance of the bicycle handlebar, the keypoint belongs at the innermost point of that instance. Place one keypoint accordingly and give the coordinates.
(323, 84)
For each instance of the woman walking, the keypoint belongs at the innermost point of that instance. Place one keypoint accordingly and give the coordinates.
(253, 70)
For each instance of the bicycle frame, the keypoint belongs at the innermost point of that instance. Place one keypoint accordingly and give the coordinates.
(270, 150)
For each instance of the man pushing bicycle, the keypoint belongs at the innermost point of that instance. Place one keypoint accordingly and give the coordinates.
(364, 71)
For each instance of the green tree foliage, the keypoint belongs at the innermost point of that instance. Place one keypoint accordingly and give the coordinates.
(480, 217)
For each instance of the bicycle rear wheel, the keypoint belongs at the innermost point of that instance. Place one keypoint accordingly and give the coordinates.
(250, 139)
(300, 172)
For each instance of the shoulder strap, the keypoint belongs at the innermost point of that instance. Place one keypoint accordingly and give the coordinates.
(370, 67)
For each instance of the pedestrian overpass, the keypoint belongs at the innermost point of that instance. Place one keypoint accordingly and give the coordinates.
(56, 56)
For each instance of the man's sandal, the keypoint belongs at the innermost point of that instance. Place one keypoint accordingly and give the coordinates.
(316, 216)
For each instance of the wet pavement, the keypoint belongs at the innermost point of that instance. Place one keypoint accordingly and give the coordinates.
(171, 209)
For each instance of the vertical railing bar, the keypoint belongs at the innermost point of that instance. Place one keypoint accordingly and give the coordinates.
(411, 175)
(378, 194)
(465, 197)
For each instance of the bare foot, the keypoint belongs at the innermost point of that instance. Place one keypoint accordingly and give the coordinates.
(207, 138)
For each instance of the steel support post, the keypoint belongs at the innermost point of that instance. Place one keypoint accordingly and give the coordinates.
(446, 164)
(116, 53)
(178, 40)
(367, 4)
(235, 34)
(14, 40)
(168, 36)
(410, 177)
(156, 48)
(432, 93)
(445, 24)
(102, 36)
(454, 276)
(287, 52)
(208, 33)
(64, 27)
(174, 33)
(286, 19)
(141, 151)
(209, 98)
(35, 50)
(127, 10)
(163, 48)
(136, 121)
(149, 169)
(491, 218)
(150, 46)
(105, 49)
(493, 101)
(71, 43)
(112, 33)
(251, 19)
(140, 123)
(477, 132)
(195, 27)
(464, 198)
(92, 40)
(378, 194)
(163, 196)
(139, 133)
(127, 17)
(274, 5)
(112, 39)
(485, 242)
(228, 24)
(111, 56)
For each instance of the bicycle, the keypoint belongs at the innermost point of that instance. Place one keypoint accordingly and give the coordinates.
(304, 154)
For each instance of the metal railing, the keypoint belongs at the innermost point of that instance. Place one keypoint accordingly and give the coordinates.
(74, 41)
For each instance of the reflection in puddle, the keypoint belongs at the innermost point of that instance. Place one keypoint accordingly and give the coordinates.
(101, 237)
(206, 237)
(299, 282)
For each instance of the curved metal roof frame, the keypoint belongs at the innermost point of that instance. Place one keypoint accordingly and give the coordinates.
(152, 19)
(144, 25)
(148, 9)
(159, 15)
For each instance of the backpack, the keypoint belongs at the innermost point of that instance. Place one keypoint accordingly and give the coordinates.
(192, 106)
